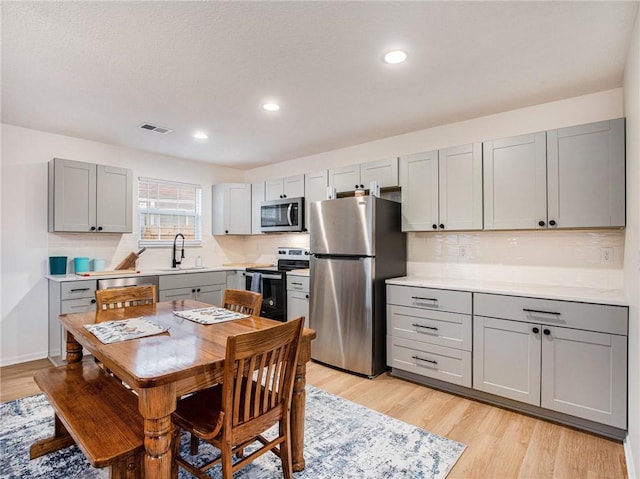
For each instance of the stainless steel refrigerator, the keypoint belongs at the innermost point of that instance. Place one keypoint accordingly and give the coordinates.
(355, 244)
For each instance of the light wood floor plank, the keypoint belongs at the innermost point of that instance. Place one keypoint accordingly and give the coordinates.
(500, 443)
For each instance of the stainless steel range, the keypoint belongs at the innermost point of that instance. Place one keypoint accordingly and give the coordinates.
(272, 282)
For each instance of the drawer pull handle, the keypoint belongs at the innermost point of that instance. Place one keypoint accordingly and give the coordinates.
(418, 298)
(538, 311)
(435, 363)
(80, 289)
(425, 327)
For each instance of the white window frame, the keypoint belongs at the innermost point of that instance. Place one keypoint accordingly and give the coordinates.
(196, 212)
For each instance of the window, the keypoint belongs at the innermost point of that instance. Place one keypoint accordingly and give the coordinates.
(166, 208)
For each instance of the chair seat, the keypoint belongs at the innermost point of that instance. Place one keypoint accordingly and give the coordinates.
(200, 412)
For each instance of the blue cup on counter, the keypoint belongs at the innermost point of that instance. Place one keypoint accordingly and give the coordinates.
(57, 264)
(81, 264)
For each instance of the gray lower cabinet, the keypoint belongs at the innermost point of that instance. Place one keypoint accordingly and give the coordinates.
(298, 298)
(67, 297)
(206, 287)
(560, 355)
(429, 333)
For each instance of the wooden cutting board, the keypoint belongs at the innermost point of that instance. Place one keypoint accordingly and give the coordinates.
(107, 273)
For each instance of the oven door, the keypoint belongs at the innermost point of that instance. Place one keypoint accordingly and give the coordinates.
(274, 296)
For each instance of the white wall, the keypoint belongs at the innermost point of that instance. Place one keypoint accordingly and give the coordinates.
(26, 244)
(632, 245)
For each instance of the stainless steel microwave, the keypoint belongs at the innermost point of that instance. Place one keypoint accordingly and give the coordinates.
(286, 214)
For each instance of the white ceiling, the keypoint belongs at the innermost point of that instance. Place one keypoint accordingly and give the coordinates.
(97, 70)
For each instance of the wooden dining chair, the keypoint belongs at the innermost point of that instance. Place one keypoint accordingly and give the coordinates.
(241, 301)
(255, 394)
(115, 303)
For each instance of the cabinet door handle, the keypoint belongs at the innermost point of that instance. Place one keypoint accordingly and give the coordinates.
(306, 296)
(535, 330)
(93, 301)
(441, 226)
(80, 289)
(526, 310)
(99, 228)
(418, 358)
(546, 332)
(418, 298)
(93, 228)
(425, 327)
(297, 284)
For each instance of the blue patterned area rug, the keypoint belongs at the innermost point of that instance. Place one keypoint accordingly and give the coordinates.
(342, 440)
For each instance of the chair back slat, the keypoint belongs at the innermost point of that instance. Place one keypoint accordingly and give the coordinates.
(260, 367)
(110, 303)
(241, 301)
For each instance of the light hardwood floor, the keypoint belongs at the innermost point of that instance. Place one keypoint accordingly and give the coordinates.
(500, 443)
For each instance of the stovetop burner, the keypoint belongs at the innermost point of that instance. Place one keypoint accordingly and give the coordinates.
(288, 260)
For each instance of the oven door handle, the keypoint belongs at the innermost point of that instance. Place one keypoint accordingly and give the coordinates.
(265, 276)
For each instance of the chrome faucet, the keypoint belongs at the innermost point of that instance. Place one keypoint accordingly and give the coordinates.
(175, 262)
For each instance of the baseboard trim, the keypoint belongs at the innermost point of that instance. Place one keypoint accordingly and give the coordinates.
(628, 456)
(23, 359)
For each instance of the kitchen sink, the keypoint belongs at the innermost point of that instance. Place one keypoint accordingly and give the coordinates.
(186, 268)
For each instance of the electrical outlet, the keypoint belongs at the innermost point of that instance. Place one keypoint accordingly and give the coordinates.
(462, 251)
(606, 255)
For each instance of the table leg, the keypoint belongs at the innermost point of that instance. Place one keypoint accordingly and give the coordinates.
(156, 405)
(298, 407)
(74, 349)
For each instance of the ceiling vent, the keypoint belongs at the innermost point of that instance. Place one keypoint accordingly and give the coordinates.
(158, 129)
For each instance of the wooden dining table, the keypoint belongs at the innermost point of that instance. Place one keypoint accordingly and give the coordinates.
(187, 358)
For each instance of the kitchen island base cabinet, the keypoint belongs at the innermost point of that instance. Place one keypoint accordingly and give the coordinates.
(580, 372)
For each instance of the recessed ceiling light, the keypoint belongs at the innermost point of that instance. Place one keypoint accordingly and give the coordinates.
(200, 135)
(271, 106)
(395, 56)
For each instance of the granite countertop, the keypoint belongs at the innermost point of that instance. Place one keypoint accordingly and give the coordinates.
(614, 297)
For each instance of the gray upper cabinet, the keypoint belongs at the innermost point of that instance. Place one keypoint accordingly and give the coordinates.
(566, 178)
(257, 197)
(315, 189)
(289, 187)
(515, 182)
(231, 209)
(348, 178)
(586, 175)
(85, 197)
(442, 190)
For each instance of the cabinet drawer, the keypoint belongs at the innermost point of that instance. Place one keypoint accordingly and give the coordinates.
(174, 294)
(78, 289)
(438, 362)
(77, 305)
(189, 280)
(591, 317)
(452, 330)
(297, 283)
(429, 298)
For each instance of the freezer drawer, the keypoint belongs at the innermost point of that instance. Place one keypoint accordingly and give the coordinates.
(341, 312)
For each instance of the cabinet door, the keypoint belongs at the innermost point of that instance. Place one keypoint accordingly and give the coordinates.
(506, 359)
(72, 196)
(315, 189)
(419, 182)
(273, 189)
(385, 172)
(298, 305)
(293, 186)
(231, 209)
(585, 374)
(586, 175)
(460, 187)
(175, 294)
(211, 294)
(257, 197)
(515, 182)
(114, 201)
(344, 178)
